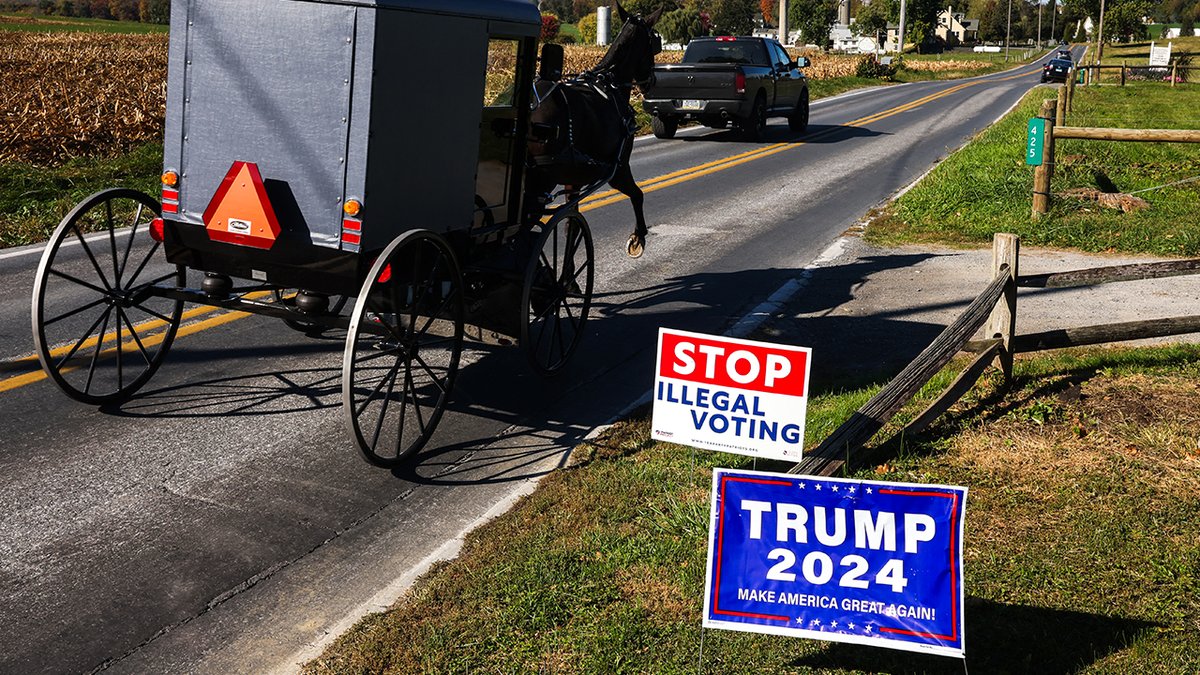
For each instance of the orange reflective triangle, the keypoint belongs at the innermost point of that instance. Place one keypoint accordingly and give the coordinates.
(240, 212)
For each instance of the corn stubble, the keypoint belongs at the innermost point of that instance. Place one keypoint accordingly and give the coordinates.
(65, 95)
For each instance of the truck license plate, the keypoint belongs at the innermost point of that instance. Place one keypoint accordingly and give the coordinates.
(692, 104)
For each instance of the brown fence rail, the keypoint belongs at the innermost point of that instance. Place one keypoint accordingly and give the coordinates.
(996, 307)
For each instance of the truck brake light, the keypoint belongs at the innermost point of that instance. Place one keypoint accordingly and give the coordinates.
(739, 83)
(724, 39)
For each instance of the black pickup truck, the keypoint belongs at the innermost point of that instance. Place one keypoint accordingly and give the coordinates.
(729, 80)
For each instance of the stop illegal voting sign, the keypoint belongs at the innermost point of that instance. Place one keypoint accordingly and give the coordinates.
(864, 562)
(730, 395)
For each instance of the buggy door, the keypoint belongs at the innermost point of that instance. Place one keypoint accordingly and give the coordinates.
(498, 171)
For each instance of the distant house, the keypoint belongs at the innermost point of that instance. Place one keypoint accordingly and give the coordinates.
(954, 28)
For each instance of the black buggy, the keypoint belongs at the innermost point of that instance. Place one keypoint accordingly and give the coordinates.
(357, 164)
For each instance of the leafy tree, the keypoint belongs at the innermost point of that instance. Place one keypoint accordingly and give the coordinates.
(83, 8)
(814, 18)
(681, 25)
(46, 6)
(549, 28)
(922, 18)
(155, 11)
(587, 29)
(99, 10)
(733, 17)
(985, 22)
(1124, 21)
(872, 20)
(1188, 25)
(645, 7)
(767, 7)
(123, 10)
(67, 7)
(563, 9)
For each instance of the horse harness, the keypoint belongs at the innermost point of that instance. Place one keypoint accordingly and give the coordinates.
(603, 85)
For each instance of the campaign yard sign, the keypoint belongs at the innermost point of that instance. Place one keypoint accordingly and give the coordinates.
(730, 395)
(864, 562)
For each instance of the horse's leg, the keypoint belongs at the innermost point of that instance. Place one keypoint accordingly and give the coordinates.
(623, 182)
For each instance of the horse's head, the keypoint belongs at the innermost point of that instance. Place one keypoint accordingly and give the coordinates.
(630, 59)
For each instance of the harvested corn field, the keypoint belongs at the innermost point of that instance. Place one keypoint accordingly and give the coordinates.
(71, 94)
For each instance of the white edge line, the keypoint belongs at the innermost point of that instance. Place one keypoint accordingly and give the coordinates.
(39, 247)
(386, 597)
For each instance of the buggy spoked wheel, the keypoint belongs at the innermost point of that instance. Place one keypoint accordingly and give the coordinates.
(99, 329)
(557, 292)
(403, 347)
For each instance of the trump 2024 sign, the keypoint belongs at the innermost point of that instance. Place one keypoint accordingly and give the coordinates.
(730, 395)
(864, 562)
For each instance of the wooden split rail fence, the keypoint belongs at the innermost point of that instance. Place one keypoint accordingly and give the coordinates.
(995, 307)
(1053, 113)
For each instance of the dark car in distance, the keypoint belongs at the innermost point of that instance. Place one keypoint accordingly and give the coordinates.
(1057, 70)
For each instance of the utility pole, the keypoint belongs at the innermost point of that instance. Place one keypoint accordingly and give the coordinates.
(1039, 24)
(1053, 17)
(1100, 37)
(1008, 32)
(903, 14)
(783, 27)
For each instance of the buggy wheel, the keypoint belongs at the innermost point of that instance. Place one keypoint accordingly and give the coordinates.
(288, 298)
(403, 346)
(557, 292)
(99, 329)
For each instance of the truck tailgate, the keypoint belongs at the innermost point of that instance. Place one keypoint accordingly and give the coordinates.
(677, 81)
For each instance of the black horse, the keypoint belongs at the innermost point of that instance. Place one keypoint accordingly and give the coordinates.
(583, 128)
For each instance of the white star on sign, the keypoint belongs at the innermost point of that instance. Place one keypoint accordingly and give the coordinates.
(833, 487)
(868, 629)
(818, 486)
(868, 490)
(850, 489)
(850, 626)
(833, 624)
(800, 485)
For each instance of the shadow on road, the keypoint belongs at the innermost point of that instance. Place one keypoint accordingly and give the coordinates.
(496, 384)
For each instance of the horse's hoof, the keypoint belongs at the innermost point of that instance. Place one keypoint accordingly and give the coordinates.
(636, 246)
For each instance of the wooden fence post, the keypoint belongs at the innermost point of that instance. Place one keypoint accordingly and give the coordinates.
(1071, 87)
(1060, 106)
(1173, 67)
(1122, 72)
(1044, 171)
(1006, 249)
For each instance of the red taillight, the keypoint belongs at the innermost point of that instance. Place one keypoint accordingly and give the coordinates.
(156, 229)
(739, 83)
(724, 39)
(385, 274)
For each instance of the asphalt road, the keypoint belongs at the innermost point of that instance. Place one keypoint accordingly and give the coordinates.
(221, 522)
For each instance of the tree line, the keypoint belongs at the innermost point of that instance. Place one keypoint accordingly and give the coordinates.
(144, 11)
(1017, 20)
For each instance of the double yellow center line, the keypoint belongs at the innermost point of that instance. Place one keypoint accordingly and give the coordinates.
(593, 202)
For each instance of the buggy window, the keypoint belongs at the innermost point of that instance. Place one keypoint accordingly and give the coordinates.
(721, 51)
(501, 74)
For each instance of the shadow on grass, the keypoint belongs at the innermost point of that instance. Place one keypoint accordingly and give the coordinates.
(1002, 638)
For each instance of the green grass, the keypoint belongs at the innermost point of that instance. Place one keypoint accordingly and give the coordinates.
(79, 25)
(34, 199)
(569, 29)
(1082, 557)
(987, 188)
